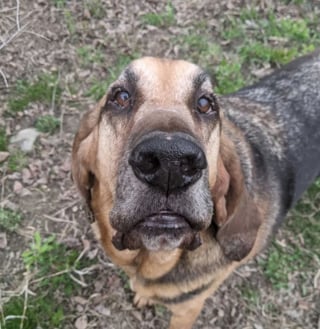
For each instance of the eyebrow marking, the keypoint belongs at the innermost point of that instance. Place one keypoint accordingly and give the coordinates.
(200, 79)
(130, 76)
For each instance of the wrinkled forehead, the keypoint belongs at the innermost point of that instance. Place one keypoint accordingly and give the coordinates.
(165, 79)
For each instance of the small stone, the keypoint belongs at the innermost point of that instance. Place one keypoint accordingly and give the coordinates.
(3, 240)
(66, 166)
(4, 156)
(257, 326)
(25, 139)
(17, 187)
(26, 175)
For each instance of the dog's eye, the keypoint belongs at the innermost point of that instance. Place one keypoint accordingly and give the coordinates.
(204, 105)
(122, 98)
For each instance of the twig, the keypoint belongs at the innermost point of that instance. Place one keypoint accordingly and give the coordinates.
(18, 15)
(3, 181)
(87, 270)
(7, 9)
(59, 220)
(25, 303)
(18, 25)
(37, 35)
(82, 284)
(4, 78)
(61, 121)
(54, 92)
(316, 280)
(15, 34)
(70, 205)
(50, 276)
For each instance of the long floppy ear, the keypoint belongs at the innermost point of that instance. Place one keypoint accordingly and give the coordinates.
(236, 214)
(84, 151)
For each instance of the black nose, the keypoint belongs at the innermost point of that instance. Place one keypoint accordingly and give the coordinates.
(169, 162)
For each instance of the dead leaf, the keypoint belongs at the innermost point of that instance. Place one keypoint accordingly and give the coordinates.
(103, 310)
(81, 322)
(9, 205)
(80, 300)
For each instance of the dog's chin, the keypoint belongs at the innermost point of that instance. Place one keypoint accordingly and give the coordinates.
(163, 231)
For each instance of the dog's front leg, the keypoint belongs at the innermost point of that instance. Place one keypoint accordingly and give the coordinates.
(185, 314)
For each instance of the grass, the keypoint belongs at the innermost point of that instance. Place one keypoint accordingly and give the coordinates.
(229, 77)
(42, 310)
(162, 19)
(47, 124)
(89, 55)
(268, 39)
(46, 255)
(283, 262)
(59, 3)
(95, 8)
(17, 161)
(70, 22)
(291, 29)
(125, 280)
(3, 140)
(258, 53)
(250, 294)
(43, 89)
(301, 254)
(9, 219)
(257, 40)
(199, 48)
(99, 88)
(53, 267)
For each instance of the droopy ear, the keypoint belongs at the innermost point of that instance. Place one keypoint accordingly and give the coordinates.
(219, 193)
(236, 214)
(84, 151)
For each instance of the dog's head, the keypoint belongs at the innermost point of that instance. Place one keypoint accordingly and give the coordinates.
(149, 161)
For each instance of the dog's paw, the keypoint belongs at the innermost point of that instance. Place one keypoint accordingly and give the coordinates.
(141, 301)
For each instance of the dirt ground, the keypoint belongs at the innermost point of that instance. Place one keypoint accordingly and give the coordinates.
(51, 34)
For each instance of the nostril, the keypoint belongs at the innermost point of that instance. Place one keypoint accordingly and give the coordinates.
(146, 162)
(149, 163)
(193, 163)
(187, 166)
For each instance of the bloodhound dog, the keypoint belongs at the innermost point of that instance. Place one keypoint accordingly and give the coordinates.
(184, 186)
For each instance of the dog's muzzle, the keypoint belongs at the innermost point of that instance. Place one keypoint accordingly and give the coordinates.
(167, 165)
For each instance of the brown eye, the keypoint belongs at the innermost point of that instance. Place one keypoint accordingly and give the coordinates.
(204, 105)
(122, 98)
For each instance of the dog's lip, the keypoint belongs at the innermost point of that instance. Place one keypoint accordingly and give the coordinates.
(165, 225)
(164, 220)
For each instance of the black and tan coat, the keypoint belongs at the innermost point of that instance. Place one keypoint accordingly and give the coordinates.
(186, 186)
